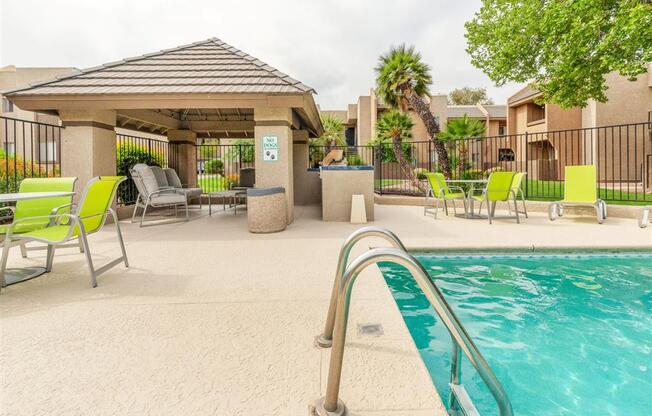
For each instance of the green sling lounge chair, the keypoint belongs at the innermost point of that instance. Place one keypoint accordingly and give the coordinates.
(580, 190)
(440, 191)
(86, 218)
(517, 188)
(499, 188)
(41, 207)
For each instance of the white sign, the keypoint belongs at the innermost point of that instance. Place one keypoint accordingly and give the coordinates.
(270, 148)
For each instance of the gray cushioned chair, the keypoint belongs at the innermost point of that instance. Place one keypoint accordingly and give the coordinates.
(151, 194)
(174, 181)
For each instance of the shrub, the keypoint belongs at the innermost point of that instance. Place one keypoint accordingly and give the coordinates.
(242, 150)
(13, 169)
(214, 166)
(126, 158)
(386, 153)
(354, 160)
(420, 173)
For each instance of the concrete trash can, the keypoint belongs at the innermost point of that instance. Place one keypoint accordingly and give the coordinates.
(266, 210)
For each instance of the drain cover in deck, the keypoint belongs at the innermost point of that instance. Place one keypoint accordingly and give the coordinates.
(370, 330)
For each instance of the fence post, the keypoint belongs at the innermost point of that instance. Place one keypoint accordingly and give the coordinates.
(527, 168)
(379, 161)
(429, 155)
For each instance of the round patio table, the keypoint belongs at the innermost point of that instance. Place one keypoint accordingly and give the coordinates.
(470, 214)
(17, 275)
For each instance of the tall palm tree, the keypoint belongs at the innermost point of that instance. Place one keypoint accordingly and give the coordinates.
(402, 81)
(394, 127)
(458, 132)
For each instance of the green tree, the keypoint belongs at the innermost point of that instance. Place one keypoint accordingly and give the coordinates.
(402, 81)
(333, 132)
(458, 132)
(394, 127)
(469, 96)
(242, 150)
(565, 48)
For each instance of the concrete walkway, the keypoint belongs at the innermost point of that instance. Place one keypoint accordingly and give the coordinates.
(212, 320)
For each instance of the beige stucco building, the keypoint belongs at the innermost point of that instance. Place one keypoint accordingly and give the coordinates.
(558, 137)
(360, 118)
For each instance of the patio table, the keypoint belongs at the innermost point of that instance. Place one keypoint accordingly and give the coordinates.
(17, 275)
(232, 195)
(469, 200)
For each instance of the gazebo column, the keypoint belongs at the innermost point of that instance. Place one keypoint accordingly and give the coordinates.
(88, 144)
(185, 143)
(274, 124)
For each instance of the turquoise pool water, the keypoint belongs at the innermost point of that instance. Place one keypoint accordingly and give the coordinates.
(565, 334)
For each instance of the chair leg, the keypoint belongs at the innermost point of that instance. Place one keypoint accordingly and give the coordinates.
(23, 250)
(491, 209)
(446, 207)
(524, 207)
(136, 205)
(436, 208)
(49, 258)
(454, 208)
(518, 221)
(599, 212)
(142, 218)
(89, 260)
(3, 261)
(81, 246)
(187, 215)
(120, 240)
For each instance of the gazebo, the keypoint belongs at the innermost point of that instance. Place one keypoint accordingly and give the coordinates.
(204, 89)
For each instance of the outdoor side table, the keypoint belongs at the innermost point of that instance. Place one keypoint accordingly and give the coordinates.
(17, 275)
(231, 196)
(469, 199)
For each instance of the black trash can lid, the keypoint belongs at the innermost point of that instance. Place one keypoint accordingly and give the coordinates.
(265, 191)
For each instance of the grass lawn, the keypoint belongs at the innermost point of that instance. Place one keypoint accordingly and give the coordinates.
(212, 182)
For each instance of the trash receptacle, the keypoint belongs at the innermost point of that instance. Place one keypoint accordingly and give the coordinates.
(266, 210)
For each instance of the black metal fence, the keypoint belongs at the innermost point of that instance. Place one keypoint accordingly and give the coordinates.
(29, 150)
(219, 165)
(622, 155)
(131, 150)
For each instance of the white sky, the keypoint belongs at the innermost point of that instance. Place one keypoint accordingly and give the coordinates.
(331, 45)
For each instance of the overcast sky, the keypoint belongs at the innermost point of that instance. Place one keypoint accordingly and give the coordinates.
(331, 45)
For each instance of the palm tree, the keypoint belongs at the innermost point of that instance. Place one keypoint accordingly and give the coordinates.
(394, 127)
(458, 132)
(402, 81)
(333, 132)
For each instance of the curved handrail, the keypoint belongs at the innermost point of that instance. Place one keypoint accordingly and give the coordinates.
(325, 340)
(330, 403)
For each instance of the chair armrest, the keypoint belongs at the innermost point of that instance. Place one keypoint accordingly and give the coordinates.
(55, 211)
(9, 207)
(450, 188)
(160, 191)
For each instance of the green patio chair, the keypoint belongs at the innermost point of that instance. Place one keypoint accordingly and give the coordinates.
(86, 218)
(440, 191)
(499, 189)
(517, 188)
(580, 190)
(41, 207)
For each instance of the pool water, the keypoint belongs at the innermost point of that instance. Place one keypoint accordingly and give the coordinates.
(565, 334)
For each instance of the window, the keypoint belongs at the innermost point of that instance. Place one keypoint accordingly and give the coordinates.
(535, 113)
(502, 129)
(506, 155)
(7, 106)
(48, 152)
(10, 148)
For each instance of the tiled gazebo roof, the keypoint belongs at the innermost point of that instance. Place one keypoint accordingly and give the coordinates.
(209, 66)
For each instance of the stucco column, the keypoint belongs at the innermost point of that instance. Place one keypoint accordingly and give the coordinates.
(185, 142)
(88, 144)
(275, 125)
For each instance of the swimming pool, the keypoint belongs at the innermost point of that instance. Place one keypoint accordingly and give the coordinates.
(566, 334)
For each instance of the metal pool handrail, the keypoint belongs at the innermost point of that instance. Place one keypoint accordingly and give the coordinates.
(330, 405)
(325, 340)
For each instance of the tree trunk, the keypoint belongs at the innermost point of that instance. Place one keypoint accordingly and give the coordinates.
(397, 143)
(422, 110)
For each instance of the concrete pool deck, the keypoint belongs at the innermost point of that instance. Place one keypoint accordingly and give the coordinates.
(212, 320)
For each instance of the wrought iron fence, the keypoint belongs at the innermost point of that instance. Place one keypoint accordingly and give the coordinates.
(30, 149)
(219, 165)
(131, 150)
(622, 155)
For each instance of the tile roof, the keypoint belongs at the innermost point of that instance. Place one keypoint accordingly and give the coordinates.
(496, 110)
(210, 66)
(458, 111)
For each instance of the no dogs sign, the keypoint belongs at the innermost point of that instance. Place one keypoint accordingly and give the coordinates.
(270, 148)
